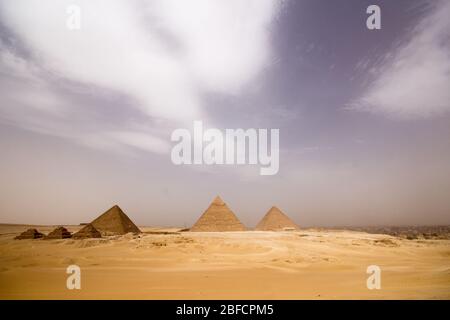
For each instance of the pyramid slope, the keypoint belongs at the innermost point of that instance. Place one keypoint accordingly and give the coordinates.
(30, 234)
(86, 232)
(276, 220)
(218, 217)
(59, 233)
(114, 221)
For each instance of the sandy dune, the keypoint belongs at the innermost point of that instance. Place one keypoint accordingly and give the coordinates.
(308, 264)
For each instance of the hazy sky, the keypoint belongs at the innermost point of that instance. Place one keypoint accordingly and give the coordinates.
(364, 115)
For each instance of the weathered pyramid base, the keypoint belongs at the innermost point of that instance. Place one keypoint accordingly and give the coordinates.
(30, 234)
(218, 225)
(87, 232)
(59, 233)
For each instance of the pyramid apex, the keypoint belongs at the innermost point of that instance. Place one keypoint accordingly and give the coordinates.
(274, 209)
(115, 208)
(218, 200)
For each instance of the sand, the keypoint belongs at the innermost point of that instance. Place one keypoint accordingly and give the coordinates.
(306, 264)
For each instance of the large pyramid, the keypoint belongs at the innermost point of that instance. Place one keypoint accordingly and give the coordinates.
(218, 217)
(114, 221)
(276, 220)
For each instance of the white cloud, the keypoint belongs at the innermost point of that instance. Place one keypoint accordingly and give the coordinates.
(161, 55)
(225, 42)
(414, 80)
(141, 141)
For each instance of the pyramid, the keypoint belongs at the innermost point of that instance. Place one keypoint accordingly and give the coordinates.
(276, 220)
(29, 234)
(114, 221)
(218, 217)
(59, 233)
(86, 232)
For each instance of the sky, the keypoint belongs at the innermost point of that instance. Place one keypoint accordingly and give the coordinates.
(86, 114)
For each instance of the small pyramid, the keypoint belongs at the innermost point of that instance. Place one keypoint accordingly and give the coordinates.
(59, 233)
(114, 221)
(218, 217)
(86, 232)
(276, 220)
(29, 234)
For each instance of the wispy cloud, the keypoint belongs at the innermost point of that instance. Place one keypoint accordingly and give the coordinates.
(413, 80)
(161, 56)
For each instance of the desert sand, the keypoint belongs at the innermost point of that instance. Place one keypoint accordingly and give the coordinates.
(305, 264)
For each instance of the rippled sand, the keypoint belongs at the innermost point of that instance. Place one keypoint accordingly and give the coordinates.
(308, 264)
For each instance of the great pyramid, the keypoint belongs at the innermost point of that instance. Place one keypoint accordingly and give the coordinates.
(276, 220)
(29, 234)
(59, 233)
(86, 232)
(114, 221)
(218, 217)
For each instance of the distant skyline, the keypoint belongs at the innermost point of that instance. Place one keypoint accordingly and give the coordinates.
(363, 115)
